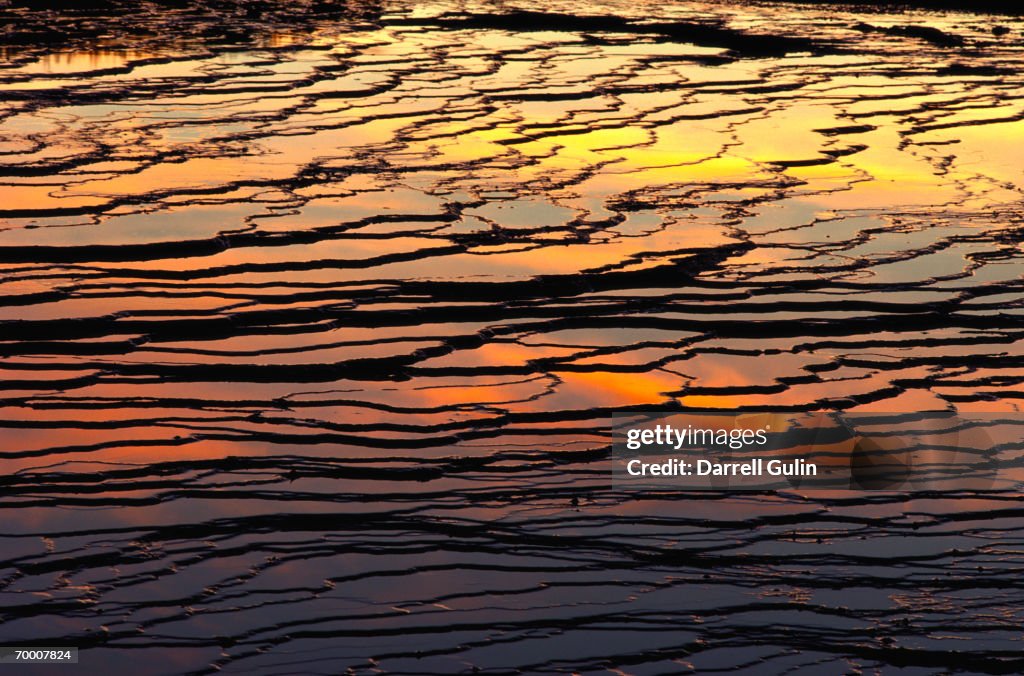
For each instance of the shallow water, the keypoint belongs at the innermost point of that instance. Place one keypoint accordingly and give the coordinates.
(311, 337)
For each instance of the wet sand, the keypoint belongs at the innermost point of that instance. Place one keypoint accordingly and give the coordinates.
(313, 322)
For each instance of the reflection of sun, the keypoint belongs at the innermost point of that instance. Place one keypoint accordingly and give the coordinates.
(618, 389)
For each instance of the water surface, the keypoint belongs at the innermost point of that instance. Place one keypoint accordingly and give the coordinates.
(313, 324)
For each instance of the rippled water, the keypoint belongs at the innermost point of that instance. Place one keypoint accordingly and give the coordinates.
(311, 335)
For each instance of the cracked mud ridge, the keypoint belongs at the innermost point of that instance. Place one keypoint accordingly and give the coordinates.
(313, 318)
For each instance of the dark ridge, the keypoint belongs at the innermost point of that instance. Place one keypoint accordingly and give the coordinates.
(960, 69)
(705, 34)
(927, 33)
(979, 6)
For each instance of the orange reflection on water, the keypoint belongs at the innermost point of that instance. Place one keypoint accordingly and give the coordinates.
(405, 227)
